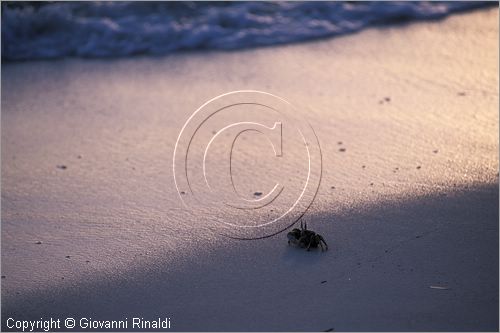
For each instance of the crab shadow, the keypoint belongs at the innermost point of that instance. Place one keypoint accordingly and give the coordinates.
(296, 255)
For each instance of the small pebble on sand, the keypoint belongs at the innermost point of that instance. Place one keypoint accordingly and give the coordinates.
(38, 242)
(62, 167)
(257, 194)
(342, 150)
(419, 167)
(439, 287)
(67, 257)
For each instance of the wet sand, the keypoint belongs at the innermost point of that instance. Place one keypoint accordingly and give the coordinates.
(407, 119)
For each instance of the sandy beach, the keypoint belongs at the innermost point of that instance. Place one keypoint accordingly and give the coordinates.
(407, 120)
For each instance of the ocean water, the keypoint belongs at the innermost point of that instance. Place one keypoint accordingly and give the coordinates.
(113, 29)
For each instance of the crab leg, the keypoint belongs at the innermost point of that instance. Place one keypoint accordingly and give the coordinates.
(321, 239)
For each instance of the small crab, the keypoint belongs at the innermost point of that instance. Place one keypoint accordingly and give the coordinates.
(306, 238)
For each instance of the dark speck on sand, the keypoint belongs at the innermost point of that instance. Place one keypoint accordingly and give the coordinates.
(461, 93)
(323, 281)
(339, 143)
(67, 257)
(3, 276)
(342, 150)
(435, 151)
(419, 167)
(330, 330)
(257, 194)
(62, 167)
(38, 242)
(387, 99)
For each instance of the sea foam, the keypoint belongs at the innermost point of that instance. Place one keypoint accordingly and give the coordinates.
(111, 29)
